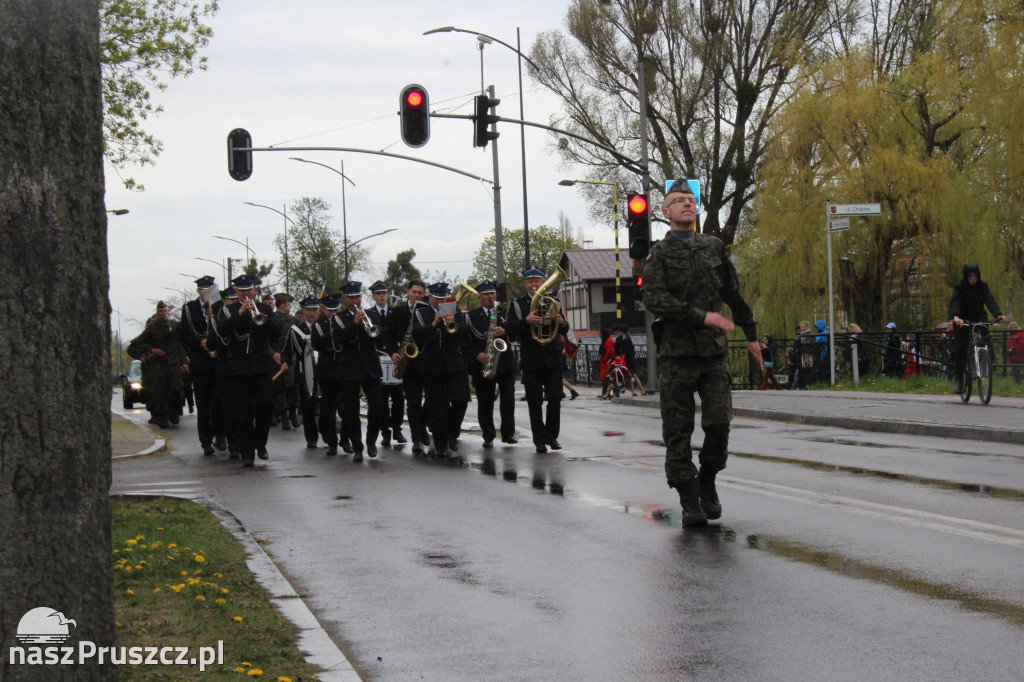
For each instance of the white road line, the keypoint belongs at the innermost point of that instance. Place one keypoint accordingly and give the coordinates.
(947, 524)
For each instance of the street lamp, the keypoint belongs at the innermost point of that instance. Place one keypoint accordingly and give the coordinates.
(287, 220)
(120, 350)
(227, 278)
(344, 220)
(246, 245)
(615, 203)
(484, 38)
(118, 211)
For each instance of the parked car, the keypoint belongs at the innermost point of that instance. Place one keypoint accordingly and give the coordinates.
(131, 385)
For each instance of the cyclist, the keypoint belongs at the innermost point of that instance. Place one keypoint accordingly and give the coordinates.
(971, 296)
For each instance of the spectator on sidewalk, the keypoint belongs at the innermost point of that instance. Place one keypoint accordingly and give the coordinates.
(1015, 351)
(768, 357)
(893, 359)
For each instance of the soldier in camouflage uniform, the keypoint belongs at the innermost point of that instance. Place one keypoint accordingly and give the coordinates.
(687, 278)
(163, 359)
(286, 391)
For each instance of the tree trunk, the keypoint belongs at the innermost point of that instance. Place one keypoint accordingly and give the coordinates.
(55, 400)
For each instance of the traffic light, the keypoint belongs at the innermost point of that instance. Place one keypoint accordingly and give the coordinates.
(414, 108)
(239, 162)
(482, 120)
(638, 288)
(638, 223)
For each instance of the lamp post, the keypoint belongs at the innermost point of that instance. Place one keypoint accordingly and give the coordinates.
(227, 278)
(287, 220)
(615, 203)
(522, 126)
(344, 220)
(118, 211)
(120, 351)
(245, 244)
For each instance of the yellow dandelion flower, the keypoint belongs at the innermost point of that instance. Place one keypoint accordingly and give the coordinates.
(140, 537)
(218, 575)
(239, 669)
(200, 597)
(138, 567)
(238, 619)
(159, 528)
(131, 543)
(200, 558)
(282, 678)
(156, 589)
(172, 545)
(127, 568)
(255, 672)
(131, 592)
(177, 588)
(117, 551)
(247, 664)
(224, 590)
(184, 572)
(222, 601)
(117, 623)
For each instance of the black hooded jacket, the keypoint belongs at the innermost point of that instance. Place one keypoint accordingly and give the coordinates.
(969, 302)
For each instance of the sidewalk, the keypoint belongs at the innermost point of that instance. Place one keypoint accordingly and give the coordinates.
(942, 416)
(131, 440)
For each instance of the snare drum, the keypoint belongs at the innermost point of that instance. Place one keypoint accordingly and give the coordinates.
(387, 366)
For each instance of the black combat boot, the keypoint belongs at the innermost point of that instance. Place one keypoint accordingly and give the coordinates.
(293, 415)
(286, 424)
(708, 495)
(689, 497)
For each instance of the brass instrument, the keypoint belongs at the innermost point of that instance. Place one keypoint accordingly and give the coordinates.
(258, 318)
(409, 348)
(494, 346)
(372, 330)
(207, 297)
(547, 306)
(462, 293)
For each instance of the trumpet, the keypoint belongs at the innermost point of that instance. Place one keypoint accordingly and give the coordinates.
(372, 330)
(258, 318)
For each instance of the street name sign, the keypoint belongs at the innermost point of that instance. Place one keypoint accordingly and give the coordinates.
(838, 224)
(837, 210)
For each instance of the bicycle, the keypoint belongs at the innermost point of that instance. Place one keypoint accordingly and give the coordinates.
(978, 366)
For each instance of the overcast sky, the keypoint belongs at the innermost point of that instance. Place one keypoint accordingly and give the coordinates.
(328, 74)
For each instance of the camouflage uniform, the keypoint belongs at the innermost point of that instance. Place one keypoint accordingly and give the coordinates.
(286, 391)
(681, 284)
(162, 381)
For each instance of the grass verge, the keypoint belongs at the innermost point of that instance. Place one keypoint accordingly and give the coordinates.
(1004, 387)
(181, 580)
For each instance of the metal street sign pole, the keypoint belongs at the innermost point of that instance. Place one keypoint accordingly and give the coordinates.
(831, 314)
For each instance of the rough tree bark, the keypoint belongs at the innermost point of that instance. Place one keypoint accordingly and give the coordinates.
(54, 404)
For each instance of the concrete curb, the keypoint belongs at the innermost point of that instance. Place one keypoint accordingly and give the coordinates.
(159, 445)
(911, 428)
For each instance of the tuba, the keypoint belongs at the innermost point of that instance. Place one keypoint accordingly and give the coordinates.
(547, 306)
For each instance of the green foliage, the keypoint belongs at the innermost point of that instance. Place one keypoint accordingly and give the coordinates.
(401, 271)
(143, 43)
(927, 122)
(546, 247)
(316, 252)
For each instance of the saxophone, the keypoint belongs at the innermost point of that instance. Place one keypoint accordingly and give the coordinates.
(409, 348)
(494, 346)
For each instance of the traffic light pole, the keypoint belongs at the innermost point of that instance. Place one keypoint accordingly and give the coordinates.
(499, 248)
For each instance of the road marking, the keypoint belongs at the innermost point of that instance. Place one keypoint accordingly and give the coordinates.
(947, 524)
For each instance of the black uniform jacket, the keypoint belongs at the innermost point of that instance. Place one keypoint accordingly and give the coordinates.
(478, 322)
(381, 321)
(243, 346)
(346, 352)
(440, 352)
(532, 355)
(191, 332)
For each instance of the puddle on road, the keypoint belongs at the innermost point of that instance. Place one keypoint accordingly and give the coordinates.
(972, 488)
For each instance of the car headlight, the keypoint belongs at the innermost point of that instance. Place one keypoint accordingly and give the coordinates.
(136, 386)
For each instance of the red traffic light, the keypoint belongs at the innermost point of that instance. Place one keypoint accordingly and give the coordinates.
(638, 204)
(414, 98)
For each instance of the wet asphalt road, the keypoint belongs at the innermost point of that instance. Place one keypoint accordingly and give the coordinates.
(841, 554)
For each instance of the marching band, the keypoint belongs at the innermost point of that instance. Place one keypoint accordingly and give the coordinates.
(253, 366)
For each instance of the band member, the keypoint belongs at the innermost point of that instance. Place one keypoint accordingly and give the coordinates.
(163, 360)
(541, 363)
(486, 328)
(327, 373)
(220, 381)
(299, 353)
(243, 331)
(392, 396)
(195, 317)
(398, 335)
(286, 392)
(439, 336)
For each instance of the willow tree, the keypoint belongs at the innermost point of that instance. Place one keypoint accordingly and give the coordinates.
(910, 132)
(715, 75)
